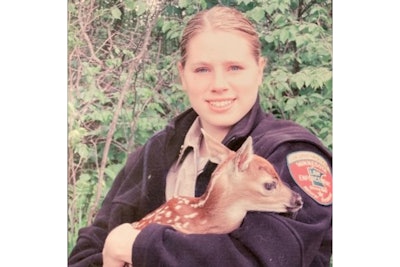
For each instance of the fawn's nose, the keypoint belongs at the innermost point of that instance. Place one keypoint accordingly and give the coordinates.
(296, 202)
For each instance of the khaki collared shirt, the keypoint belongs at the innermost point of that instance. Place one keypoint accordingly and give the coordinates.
(181, 178)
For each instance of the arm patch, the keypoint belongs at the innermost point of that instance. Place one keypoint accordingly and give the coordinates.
(312, 174)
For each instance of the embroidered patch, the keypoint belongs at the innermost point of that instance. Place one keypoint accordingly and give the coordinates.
(312, 174)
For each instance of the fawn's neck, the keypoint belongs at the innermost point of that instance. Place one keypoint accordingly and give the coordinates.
(216, 213)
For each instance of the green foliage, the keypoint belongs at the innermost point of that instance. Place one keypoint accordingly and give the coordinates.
(297, 40)
(104, 37)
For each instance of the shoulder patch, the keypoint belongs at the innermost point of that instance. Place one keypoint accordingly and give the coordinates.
(312, 174)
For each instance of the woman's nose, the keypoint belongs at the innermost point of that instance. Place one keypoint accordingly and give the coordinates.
(220, 83)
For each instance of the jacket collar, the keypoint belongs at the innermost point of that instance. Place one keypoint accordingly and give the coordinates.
(243, 128)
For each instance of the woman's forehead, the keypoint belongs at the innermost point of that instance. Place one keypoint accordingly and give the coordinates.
(218, 44)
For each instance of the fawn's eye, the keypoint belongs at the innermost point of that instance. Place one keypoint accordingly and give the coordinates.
(270, 186)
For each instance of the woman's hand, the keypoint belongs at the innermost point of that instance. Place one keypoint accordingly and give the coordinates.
(118, 246)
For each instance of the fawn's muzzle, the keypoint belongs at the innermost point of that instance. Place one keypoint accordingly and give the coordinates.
(296, 203)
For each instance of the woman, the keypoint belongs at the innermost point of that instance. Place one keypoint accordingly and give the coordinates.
(221, 70)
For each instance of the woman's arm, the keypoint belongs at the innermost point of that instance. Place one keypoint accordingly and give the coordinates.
(91, 239)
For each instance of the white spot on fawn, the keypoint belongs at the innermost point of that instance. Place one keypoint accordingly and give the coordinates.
(183, 201)
(199, 204)
(191, 216)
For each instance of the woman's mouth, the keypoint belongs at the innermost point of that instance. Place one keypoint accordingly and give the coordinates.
(220, 104)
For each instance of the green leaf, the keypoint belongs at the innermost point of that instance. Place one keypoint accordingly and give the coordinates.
(166, 26)
(246, 2)
(269, 38)
(116, 13)
(298, 80)
(130, 4)
(84, 178)
(328, 85)
(76, 135)
(112, 170)
(257, 14)
(183, 3)
(270, 8)
(290, 104)
(82, 150)
(279, 20)
(173, 35)
(284, 35)
(141, 8)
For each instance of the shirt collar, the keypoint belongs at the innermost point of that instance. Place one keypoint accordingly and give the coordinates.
(192, 140)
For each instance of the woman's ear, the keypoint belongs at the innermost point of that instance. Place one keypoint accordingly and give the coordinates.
(181, 75)
(262, 62)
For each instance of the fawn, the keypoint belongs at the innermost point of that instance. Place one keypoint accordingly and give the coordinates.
(242, 181)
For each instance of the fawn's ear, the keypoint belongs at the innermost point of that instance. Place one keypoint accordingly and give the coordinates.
(244, 155)
(217, 152)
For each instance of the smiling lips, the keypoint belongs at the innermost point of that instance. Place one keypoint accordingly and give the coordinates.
(220, 104)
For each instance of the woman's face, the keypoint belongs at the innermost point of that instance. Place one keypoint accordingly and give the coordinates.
(221, 78)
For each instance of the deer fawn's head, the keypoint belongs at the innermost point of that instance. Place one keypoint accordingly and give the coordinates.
(249, 179)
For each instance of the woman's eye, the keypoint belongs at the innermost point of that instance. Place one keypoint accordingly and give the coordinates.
(200, 70)
(235, 68)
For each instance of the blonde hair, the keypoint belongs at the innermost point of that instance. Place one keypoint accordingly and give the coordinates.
(220, 18)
